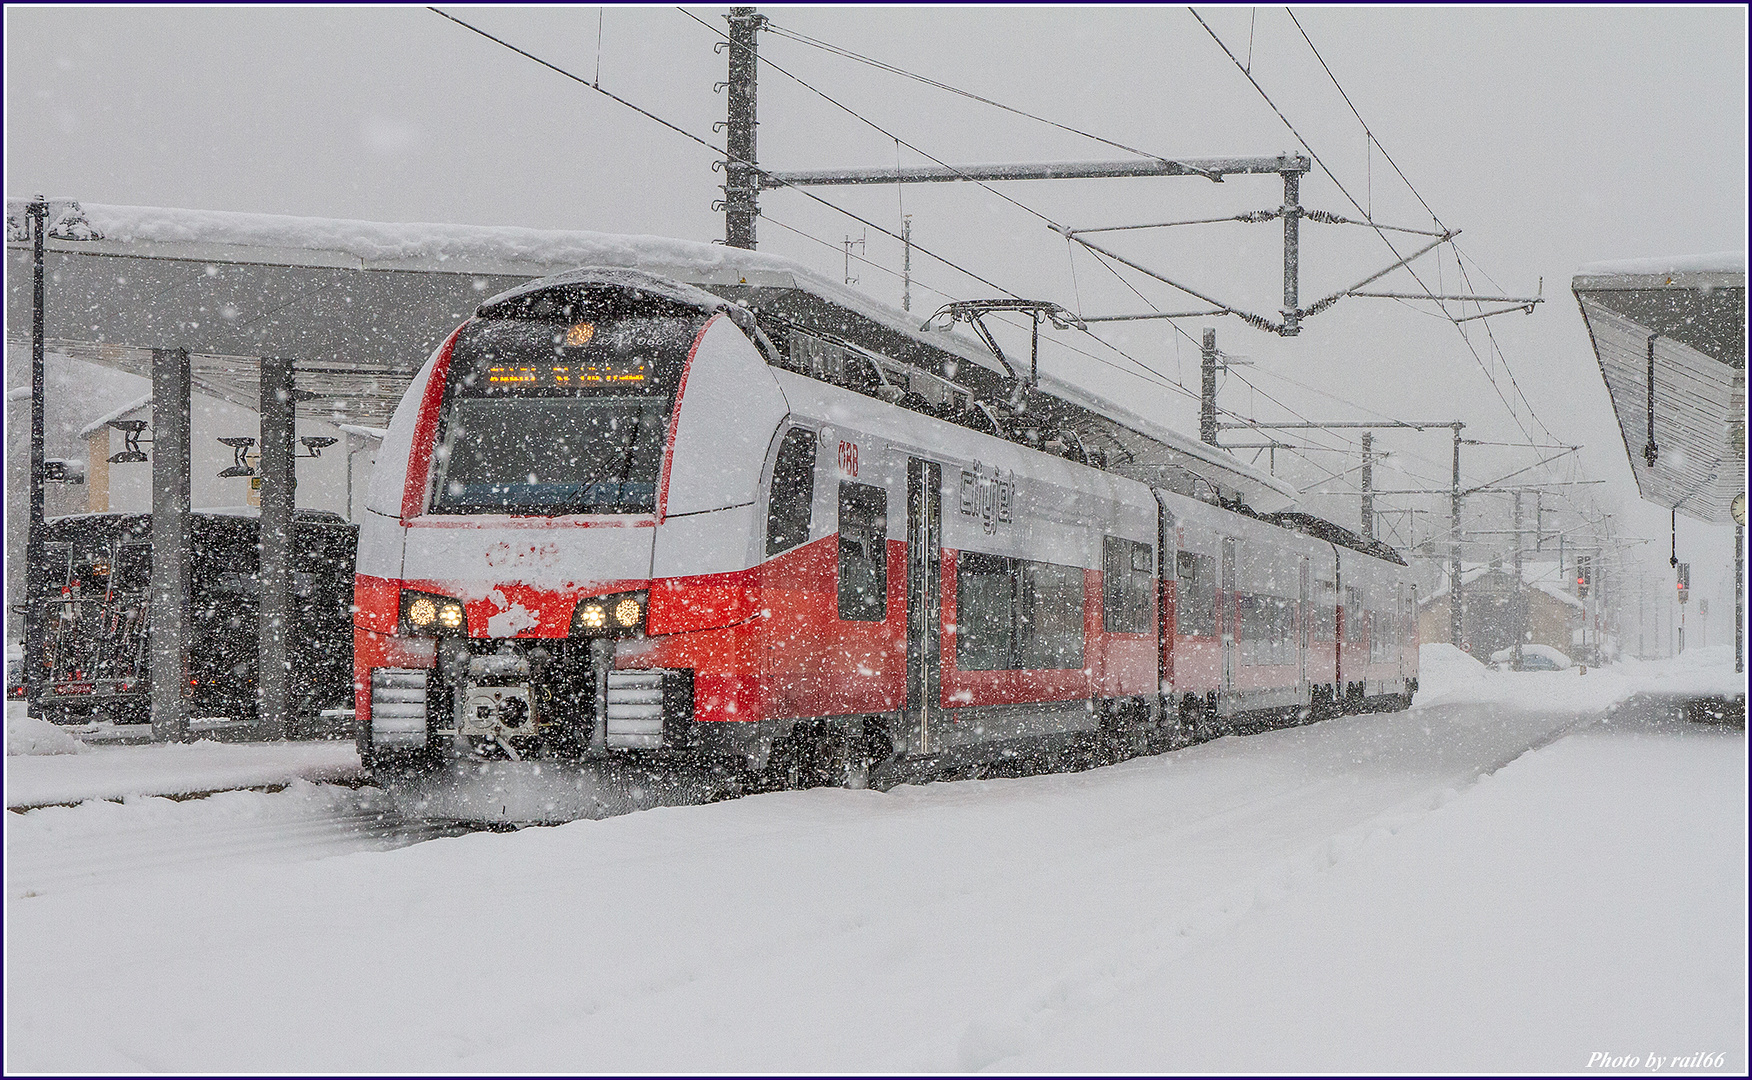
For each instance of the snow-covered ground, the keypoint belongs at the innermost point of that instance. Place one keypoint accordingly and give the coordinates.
(1504, 878)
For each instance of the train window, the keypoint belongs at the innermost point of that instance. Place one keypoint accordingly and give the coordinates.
(863, 552)
(546, 414)
(1011, 614)
(793, 491)
(1353, 617)
(1283, 630)
(1195, 599)
(1323, 624)
(1255, 635)
(1050, 627)
(58, 561)
(1384, 639)
(133, 570)
(1125, 586)
(1268, 626)
(985, 611)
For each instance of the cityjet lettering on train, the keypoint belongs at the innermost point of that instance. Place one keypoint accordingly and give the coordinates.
(990, 498)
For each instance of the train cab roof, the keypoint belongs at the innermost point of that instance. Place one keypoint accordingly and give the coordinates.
(888, 354)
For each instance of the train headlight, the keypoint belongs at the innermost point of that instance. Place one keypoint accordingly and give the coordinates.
(432, 616)
(423, 612)
(619, 615)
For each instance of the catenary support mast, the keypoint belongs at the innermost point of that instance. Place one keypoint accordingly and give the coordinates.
(741, 177)
(1207, 408)
(1456, 627)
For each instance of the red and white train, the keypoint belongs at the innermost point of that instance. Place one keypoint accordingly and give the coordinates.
(759, 519)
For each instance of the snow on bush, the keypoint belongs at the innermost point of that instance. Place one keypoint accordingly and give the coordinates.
(1444, 667)
(26, 735)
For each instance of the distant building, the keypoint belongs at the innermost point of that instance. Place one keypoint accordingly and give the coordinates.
(1491, 614)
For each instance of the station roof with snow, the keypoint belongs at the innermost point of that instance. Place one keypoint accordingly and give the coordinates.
(1670, 336)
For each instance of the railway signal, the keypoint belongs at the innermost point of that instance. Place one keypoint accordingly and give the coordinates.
(1684, 582)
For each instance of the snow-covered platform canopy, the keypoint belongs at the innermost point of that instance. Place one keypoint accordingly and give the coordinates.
(357, 305)
(1670, 335)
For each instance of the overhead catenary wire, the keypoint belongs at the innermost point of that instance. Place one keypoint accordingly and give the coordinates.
(893, 69)
(849, 54)
(1377, 414)
(716, 149)
(1149, 373)
(1144, 372)
(1375, 143)
(1360, 209)
(1349, 446)
(1157, 377)
(1152, 375)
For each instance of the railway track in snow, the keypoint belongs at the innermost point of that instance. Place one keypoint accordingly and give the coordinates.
(100, 843)
(95, 844)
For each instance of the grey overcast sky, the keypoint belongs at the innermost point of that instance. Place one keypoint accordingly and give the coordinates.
(1552, 136)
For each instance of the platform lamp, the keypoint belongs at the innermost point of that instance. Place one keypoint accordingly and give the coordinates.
(240, 466)
(130, 451)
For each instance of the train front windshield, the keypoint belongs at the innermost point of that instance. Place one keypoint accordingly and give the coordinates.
(560, 407)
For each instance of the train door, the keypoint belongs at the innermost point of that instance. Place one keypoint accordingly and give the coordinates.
(1228, 614)
(1304, 640)
(130, 580)
(1166, 563)
(797, 578)
(1399, 631)
(924, 576)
